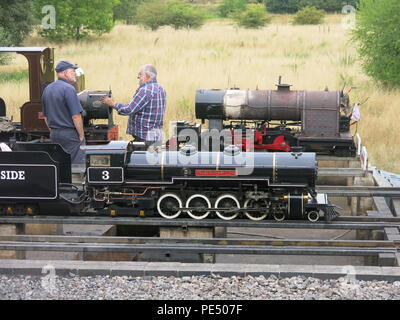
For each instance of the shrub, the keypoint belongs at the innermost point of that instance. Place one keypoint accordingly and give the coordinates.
(152, 14)
(176, 13)
(183, 15)
(309, 15)
(254, 17)
(228, 7)
(377, 34)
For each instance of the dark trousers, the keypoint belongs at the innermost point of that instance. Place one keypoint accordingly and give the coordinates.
(69, 141)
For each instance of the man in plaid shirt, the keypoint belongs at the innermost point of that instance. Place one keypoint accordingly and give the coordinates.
(146, 110)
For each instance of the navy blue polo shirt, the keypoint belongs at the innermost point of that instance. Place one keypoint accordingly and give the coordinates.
(60, 103)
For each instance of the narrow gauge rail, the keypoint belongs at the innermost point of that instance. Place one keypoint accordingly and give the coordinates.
(212, 246)
(340, 223)
(359, 191)
(253, 241)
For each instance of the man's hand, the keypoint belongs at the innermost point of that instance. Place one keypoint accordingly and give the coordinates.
(108, 101)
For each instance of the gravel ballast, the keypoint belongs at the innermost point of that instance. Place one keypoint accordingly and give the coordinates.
(193, 288)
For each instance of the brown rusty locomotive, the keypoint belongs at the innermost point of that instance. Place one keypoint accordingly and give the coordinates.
(274, 120)
(32, 126)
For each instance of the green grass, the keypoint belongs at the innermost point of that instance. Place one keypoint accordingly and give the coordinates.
(16, 76)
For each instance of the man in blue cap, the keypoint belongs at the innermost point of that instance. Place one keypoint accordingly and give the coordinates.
(63, 112)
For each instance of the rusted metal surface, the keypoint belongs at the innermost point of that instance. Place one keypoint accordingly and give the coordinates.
(318, 111)
(41, 68)
(321, 113)
(32, 117)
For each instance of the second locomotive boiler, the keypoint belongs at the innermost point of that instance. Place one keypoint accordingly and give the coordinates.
(275, 120)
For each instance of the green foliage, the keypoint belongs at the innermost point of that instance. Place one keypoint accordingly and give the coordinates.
(5, 41)
(377, 34)
(77, 19)
(126, 10)
(253, 17)
(282, 6)
(328, 5)
(228, 7)
(16, 76)
(292, 6)
(176, 13)
(152, 14)
(309, 15)
(16, 20)
(183, 15)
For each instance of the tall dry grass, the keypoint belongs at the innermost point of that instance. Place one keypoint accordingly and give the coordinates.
(220, 55)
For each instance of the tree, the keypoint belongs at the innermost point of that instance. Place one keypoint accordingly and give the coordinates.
(126, 11)
(16, 20)
(5, 41)
(377, 34)
(78, 19)
(253, 17)
(282, 6)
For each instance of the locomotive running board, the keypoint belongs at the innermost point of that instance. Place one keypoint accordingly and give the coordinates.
(128, 182)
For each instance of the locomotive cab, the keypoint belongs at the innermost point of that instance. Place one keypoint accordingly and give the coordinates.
(36, 178)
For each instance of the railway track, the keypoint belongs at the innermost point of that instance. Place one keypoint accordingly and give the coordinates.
(340, 223)
(199, 245)
(359, 191)
(254, 245)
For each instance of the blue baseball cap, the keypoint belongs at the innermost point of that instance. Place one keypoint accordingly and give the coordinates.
(64, 65)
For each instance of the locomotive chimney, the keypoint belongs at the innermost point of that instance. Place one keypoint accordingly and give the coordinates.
(283, 86)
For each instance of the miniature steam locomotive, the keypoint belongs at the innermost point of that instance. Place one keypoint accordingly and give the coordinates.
(229, 183)
(171, 184)
(273, 120)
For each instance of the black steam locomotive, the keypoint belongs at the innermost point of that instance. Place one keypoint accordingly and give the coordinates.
(272, 120)
(171, 184)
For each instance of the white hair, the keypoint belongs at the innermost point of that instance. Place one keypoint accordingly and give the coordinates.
(150, 70)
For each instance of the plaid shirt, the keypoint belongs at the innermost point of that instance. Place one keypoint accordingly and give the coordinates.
(146, 111)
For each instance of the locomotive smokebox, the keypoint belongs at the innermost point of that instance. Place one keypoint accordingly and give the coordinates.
(94, 110)
(91, 103)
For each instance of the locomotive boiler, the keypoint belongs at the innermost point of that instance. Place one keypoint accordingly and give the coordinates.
(277, 120)
(201, 184)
